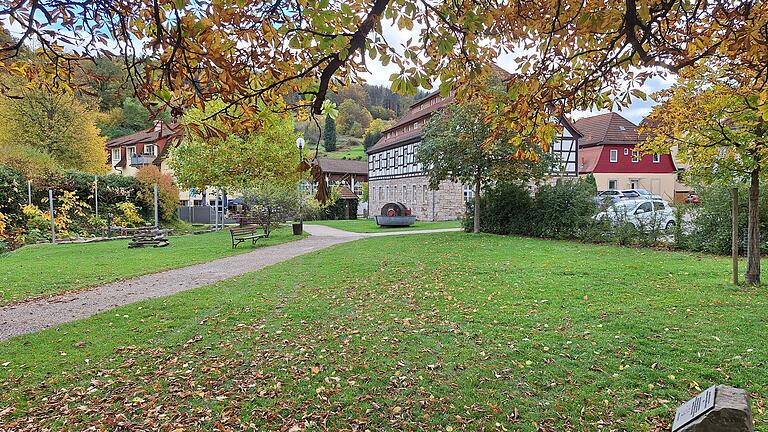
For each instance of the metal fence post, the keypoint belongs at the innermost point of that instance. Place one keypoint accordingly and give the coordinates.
(96, 194)
(53, 222)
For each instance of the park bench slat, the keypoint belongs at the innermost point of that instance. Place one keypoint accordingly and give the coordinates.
(253, 233)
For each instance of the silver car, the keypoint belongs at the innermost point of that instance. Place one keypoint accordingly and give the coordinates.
(643, 214)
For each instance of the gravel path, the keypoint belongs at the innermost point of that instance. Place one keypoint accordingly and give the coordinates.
(38, 315)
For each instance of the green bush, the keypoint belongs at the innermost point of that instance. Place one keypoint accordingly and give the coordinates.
(505, 208)
(12, 199)
(561, 210)
(710, 221)
(564, 210)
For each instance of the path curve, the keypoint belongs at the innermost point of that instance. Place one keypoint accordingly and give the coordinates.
(29, 317)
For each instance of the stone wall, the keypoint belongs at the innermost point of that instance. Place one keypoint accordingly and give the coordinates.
(448, 199)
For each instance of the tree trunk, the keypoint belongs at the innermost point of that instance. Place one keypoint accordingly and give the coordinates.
(752, 275)
(735, 234)
(477, 206)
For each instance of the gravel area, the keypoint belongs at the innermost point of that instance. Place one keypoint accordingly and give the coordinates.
(38, 315)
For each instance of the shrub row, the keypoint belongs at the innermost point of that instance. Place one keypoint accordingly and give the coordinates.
(566, 209)
(129, 200)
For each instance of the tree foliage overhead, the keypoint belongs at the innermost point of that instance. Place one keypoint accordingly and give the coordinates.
(571, 53)
(716, 124)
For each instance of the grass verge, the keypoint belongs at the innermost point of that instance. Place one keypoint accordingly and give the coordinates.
(43, 270)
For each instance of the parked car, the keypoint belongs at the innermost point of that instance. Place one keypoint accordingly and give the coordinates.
(643, 214)
(693, 199)
(613, 195)
(641, 193)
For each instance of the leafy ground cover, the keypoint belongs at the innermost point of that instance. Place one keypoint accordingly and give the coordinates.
(454, 332)
(42, 270)
(369, 225)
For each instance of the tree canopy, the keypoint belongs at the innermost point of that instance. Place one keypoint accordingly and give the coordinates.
(238, 161)
(453, 149)
(720, 129)
(571, 54)
(45, 130)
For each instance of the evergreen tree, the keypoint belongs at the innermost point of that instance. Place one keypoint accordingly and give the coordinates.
(329, 135)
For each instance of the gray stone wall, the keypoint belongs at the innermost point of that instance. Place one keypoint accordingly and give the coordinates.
(448, 199)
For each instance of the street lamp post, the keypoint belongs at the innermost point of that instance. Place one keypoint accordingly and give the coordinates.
(300, 146)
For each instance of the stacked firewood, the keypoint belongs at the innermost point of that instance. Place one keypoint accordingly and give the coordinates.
(149, 236)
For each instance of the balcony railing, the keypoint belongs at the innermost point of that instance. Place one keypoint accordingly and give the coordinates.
(142, 159)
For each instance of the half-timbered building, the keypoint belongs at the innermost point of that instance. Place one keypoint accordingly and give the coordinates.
(395, 175)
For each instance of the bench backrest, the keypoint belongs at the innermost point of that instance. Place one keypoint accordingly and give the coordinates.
(245, 230)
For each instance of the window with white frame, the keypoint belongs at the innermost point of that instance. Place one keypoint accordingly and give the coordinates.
(626, 151)
(469, 193)
(381, 192)
(130, 151)
(634, 184)
(424, 193)
(656, 158)
(635, 156)
(115, 155)
(613, 184)
(614, 155)
(150, 149)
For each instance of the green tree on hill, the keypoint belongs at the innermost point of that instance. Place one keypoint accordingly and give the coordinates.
(351, 112)
(329, 134)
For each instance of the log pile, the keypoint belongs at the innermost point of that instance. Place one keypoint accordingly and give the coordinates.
(149, 236)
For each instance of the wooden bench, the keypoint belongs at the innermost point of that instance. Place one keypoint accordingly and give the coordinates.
(253, 233)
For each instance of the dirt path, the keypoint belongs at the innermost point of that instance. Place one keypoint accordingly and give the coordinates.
(38, 315)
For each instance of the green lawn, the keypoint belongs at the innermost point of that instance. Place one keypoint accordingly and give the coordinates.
(346, 148)
(369, 225)
(440, 332)
(45, 269)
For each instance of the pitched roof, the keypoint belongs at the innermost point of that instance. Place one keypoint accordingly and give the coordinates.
(146, 136)
(347, 194)
(413, 114)
(588, 158)
(610, 128)
(343, 166)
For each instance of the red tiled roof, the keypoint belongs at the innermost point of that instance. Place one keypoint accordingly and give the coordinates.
(343, 166)
(610, 128)
(588, 158)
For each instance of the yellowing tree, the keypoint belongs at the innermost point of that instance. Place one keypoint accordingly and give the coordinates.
(720, 127)
(46, 124)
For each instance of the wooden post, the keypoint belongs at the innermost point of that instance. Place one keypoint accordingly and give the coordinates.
(752, 274)
(476, 228)
(735, 234)
(53, 222)
(157, 218)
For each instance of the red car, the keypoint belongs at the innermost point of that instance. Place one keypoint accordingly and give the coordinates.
(693, 199)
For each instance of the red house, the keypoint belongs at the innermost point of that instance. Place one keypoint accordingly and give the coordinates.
(148, 147)
(607, 151)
